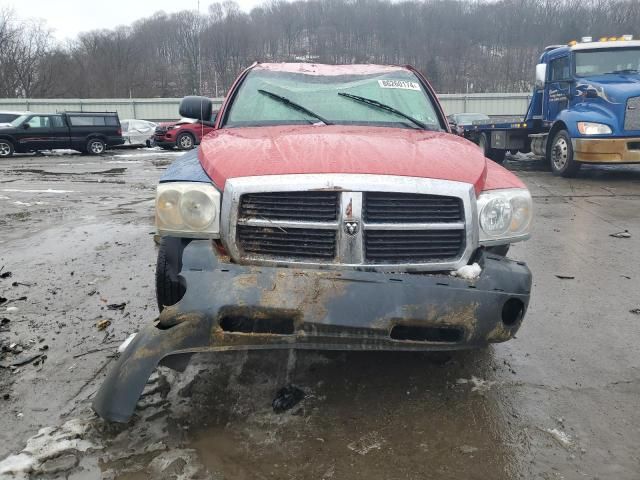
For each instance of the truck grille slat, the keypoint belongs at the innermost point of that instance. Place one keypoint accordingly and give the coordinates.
(410, 208)
(413, 245)
(317, 206)
(292, 243)
(632, 114)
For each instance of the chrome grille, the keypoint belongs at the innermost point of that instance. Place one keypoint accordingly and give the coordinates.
(391, 207)
(421, 246)
(309, 206)
(371, 222)
(632, 114)
(305, 243)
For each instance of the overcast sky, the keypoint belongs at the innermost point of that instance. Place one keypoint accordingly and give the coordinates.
(69, 17)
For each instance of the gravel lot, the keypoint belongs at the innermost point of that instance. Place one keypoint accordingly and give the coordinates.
(560, 401)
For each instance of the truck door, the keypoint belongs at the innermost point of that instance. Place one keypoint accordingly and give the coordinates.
(558, 88)
(59, 132)
(37, 133)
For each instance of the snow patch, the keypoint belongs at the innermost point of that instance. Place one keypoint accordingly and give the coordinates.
(149, 154)
(48, 444)
(561, 437)
(479, 384)
(468, 272)
(48, 190)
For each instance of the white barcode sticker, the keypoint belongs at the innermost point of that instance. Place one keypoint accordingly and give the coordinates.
(402, 84)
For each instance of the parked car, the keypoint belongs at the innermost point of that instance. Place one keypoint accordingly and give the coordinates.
(90, 133)
(7, 117)
(183, 134)
(138, 133)
(330, 208)
(458, 121)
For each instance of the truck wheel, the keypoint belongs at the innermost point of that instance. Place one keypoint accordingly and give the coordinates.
(169, 288)
(95, 146)
(491, 153)
(6, 148)
(561, 156)
(185, 141)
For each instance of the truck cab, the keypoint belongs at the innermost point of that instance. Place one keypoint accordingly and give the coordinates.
(587, 98)
(585, 108)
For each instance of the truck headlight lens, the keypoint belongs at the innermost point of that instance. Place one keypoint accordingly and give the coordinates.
(188, 209)
(590, 128)
(504, 215)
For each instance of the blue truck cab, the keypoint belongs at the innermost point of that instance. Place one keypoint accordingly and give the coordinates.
(585, 108)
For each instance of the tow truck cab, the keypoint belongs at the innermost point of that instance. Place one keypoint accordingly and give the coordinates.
(585, 108)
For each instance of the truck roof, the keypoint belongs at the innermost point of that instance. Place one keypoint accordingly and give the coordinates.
(88, 114)
(323, 69)
(555, 49)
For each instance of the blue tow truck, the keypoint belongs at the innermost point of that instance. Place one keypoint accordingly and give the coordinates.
(585, 108)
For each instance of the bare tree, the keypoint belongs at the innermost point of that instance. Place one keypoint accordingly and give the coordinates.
(462, 45)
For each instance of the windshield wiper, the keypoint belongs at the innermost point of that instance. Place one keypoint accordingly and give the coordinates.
(387, 108)
(626, 70)
(294, 105)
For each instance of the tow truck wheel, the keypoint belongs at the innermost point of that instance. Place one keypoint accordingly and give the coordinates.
(491, 153)
(6, 148)
(561, 156)
(185, 141)
(95, 146)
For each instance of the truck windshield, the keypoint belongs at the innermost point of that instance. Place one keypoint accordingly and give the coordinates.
(18, 121)
(394, 99)
(610, 61)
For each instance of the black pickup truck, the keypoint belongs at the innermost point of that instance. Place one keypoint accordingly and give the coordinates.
(90, 133)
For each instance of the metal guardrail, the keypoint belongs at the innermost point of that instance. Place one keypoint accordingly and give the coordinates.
(165, 109)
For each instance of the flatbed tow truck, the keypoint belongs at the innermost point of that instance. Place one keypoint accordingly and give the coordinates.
(585, 108)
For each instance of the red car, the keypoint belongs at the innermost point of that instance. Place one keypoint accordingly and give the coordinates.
(330, 208)
(184, 134)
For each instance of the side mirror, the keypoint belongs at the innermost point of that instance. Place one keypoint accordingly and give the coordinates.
(541, 75)
(198, 108)
(26, 125)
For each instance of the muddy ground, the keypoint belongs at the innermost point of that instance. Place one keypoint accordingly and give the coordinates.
(558, 402)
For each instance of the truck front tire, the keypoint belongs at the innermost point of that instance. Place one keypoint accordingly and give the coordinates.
(6, 148)
(491, 153)
(169, 287)
(560, 155)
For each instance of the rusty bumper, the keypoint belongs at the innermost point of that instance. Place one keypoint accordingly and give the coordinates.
(234, 307)
(607, 150)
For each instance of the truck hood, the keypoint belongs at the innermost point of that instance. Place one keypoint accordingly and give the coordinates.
(258, 151)
(616, 88)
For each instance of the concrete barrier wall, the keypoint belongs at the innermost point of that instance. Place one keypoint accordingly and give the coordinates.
(162, 109)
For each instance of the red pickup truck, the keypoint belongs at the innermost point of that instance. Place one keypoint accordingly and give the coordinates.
(330, 208)
(183, 134)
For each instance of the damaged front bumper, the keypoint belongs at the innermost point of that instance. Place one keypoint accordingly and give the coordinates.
(235, 307)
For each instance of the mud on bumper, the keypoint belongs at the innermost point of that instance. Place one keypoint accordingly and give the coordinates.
(234, 307)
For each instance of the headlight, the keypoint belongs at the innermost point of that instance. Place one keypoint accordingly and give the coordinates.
(504, 216)
(590, 128)
(188, 209)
